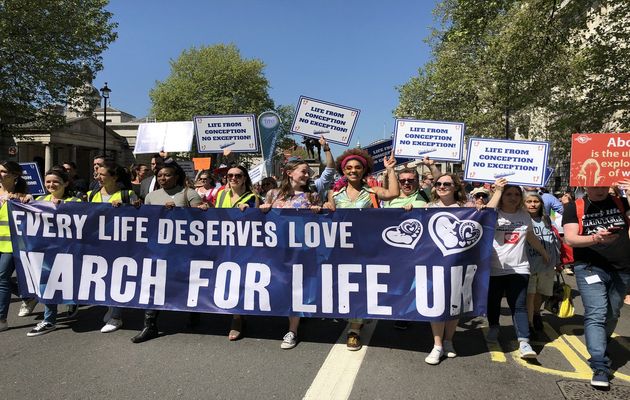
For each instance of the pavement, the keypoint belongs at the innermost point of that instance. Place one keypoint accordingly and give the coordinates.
(78, 362)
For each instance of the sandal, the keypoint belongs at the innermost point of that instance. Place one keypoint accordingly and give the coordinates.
(236, 329)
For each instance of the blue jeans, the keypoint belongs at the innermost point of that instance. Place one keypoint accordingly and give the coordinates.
(515, 288)
(6, 271)
(50, 313)
(602, 299)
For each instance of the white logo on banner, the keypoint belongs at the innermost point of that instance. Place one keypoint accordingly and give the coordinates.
(404, 235)
(452, 235)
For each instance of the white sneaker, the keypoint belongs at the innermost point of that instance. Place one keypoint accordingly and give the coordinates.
(448, 349)
(434, 356)
(289, 341)
(4, 325)
(493, 334)
(108, 315)
(27, 307)
(112, 325)
(526, 351)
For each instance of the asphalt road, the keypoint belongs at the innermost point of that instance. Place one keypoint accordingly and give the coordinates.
(78, 362)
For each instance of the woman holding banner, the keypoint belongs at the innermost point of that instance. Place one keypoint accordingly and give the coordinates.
(172, 193)
(56, 183)
(510, 271)
(237, 194)
(115, 188)
(294, 192)
(352, 191)
(447, 191)
(12, 186)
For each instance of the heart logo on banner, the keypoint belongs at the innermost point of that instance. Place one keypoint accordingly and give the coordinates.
(452, 235)
(406, 234)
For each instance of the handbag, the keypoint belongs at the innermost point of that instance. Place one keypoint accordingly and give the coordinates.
(560, 302)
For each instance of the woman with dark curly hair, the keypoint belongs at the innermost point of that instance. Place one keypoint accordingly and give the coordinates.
(352, 191)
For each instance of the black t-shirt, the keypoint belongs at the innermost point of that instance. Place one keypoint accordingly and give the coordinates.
(601, 215)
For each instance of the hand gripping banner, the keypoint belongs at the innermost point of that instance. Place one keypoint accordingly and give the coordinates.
(428, 264)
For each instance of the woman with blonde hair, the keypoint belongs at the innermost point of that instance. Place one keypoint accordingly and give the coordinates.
(447, 191)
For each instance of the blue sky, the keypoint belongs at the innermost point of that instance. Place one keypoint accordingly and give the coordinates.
(348, 52)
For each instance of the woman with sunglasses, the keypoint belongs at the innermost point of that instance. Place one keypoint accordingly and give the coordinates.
(510, 269)
(447, 191)
(204, 185)
(480, 197)
(352, 191)
(237, 194)
(294, 192)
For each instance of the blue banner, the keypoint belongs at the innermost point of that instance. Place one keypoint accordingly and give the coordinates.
(379, 151)
(30, 173)
(429, 264)
(268, 129)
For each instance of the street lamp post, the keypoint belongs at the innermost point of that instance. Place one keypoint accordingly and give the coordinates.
(105, 91)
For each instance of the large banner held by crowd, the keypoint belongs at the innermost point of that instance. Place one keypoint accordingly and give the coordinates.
(599, 159)
(386, 264)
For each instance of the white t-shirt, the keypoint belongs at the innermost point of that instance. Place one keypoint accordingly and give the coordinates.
(510, 235)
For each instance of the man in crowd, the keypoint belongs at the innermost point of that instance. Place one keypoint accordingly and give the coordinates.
(77, 184)
(97, 162)
(149, 184)
(597, 229)
(411, 196)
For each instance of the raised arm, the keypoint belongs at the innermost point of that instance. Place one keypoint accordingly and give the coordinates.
(499, 185)
(392, 190)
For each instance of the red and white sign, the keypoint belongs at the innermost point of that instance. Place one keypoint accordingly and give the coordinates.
(599, 159)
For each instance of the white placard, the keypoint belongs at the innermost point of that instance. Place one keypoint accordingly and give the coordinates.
(216, 133)
(315, 118)
(257, 173)
(520, 162)
(437, 140)
(172, 137)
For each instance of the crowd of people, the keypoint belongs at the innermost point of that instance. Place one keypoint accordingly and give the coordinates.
(526, 248)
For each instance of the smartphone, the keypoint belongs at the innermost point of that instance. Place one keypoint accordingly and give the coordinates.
(614, 229)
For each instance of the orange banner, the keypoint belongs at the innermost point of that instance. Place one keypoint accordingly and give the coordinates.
(599, 159)
(201, 163)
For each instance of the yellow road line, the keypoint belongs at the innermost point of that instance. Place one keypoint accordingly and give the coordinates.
(494, 349)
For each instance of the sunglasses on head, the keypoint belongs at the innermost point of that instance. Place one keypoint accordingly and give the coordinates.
(444, 184)
(406, 181)
(481, 196)
(234, 176)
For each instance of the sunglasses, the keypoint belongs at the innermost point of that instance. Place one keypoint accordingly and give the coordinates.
(443, 184)
(481, 196)
(406, 181)
(234, 176)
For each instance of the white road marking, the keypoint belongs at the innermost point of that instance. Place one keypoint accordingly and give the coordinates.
(336, 376)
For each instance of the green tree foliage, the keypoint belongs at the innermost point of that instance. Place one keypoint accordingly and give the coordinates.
(213, 80)
(48, 50)
(555, 67)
